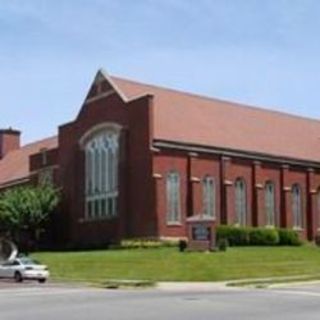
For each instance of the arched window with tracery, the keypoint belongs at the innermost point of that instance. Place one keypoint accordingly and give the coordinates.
(173, 197)
(209, 196)
(241, 202)
(297, 206)
(318, 207)
(269, 199)
(101, 172)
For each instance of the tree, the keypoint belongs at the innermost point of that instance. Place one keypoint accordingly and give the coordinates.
(26, 210)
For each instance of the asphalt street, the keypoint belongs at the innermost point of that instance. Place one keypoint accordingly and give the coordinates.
(30, 301)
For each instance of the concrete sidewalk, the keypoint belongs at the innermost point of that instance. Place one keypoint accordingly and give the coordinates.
(193, 286)
(237, 284)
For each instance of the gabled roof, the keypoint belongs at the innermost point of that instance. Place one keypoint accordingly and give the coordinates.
(15, 165)
(194, 119)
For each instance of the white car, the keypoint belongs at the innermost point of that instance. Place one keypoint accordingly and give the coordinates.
(24, 268)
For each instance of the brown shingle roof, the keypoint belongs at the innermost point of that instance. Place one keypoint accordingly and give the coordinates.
(15, 165)
(188, 118)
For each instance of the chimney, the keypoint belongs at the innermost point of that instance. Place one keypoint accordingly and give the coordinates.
(9, 141)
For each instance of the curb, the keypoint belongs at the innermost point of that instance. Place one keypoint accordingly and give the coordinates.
(191, 286)
(258, 283)
(135, 284)
(272, 282)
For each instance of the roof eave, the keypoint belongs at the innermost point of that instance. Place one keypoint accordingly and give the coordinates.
(228, 152)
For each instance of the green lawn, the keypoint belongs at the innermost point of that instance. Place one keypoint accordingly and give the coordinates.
(167, 264)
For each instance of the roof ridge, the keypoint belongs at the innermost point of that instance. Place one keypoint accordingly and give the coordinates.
(205, 97)
(37, 141)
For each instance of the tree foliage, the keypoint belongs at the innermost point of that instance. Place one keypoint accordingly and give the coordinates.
(27, 209)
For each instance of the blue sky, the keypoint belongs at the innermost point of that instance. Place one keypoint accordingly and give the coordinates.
(264, 53)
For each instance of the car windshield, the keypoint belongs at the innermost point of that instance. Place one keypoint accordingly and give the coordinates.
(28, 261)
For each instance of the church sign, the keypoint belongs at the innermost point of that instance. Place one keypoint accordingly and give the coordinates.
(201, 233)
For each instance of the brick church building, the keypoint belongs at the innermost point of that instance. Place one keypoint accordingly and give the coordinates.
(138, 160)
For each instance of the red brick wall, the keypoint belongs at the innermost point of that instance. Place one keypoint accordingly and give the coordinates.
(135, 204)
(315, 203)
(263, 173)
(194, 167)
(292, 176)
(36, 160)
(141, 219)
(237, 168)
(200, 166)
(192, 170)
(163, 163)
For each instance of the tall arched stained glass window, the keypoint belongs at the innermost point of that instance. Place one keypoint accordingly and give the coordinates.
(269, 198)
(101, 174)
(318, 207)
(241, 202)
(209, 197)
(173, 197)
(297, 206)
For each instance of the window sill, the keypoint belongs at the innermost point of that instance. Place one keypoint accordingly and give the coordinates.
(270, 226)
(298, 229)
(238, 225)
(208, 217)
(88, 220)
(174, 224)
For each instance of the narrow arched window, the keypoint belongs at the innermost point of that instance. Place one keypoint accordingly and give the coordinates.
(173, 197)
(297, 206)
(318, 207)
(209, 197)
(241, 202)
(269, 198)
(101, 174)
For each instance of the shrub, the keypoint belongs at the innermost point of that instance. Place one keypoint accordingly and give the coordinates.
(182, 245)
(236, 236)
(263, 237)
(289, 237)
(317, 240)
(243, 236)
(222, 244)
(138, 243)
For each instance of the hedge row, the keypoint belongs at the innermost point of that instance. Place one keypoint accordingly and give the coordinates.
(142, 243)
(247, 236)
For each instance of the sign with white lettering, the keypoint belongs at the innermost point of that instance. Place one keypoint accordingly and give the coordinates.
(201, 232)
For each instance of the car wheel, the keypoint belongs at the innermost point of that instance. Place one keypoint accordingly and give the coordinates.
(18, 277)
(42, 280)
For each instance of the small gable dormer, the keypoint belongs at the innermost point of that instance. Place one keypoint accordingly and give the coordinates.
(100, 87)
